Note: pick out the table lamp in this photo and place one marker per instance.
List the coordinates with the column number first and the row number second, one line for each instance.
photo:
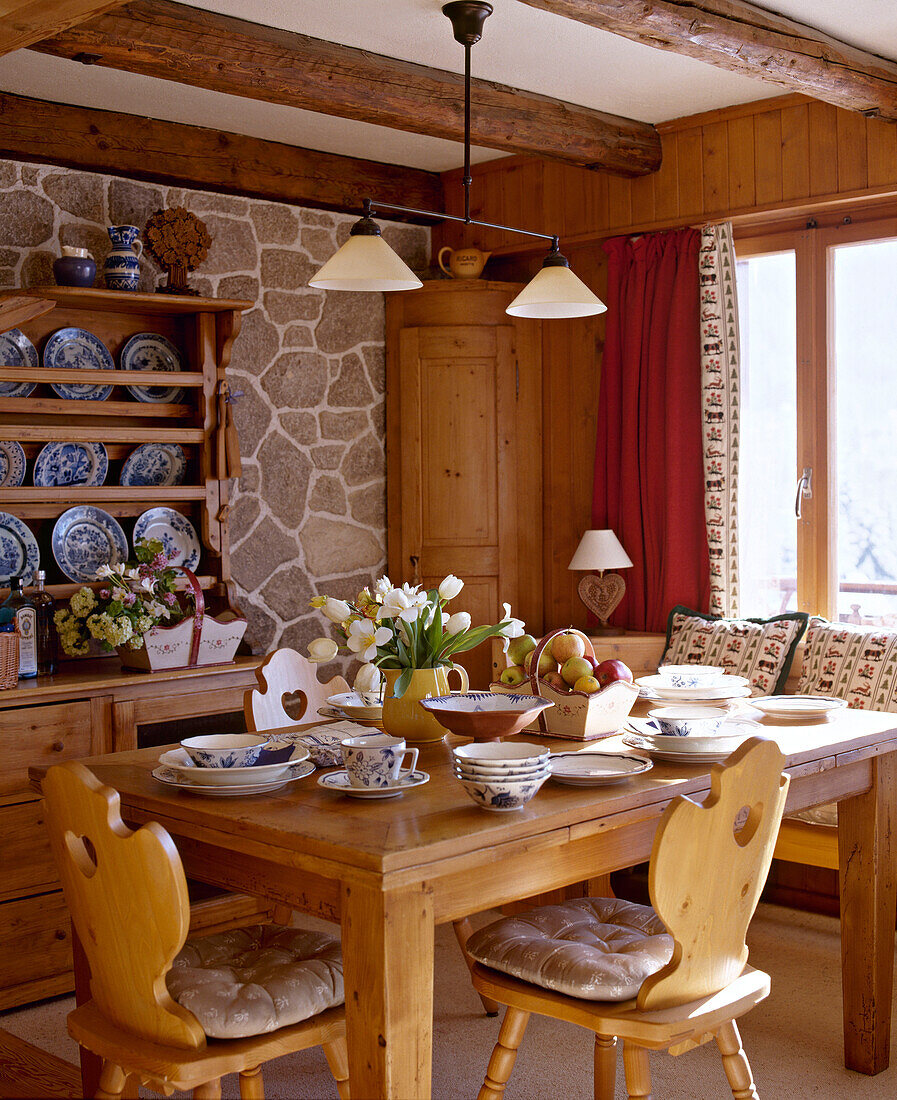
column 598, row 551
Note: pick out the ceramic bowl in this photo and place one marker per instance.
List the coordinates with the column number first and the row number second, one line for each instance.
column 688, row 721
column 232, row 750
column 501, row 756
column 227, row 777
column 358, row 704
column 501, row 795
column 483, row 715
column 691, row 676
column 477, row 771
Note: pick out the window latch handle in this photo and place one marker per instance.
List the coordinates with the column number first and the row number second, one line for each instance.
column 804, row 488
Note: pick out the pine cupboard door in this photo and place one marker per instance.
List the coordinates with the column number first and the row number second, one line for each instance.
column 459, row 445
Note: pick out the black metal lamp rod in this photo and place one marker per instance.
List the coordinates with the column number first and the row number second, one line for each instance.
column 370, row 204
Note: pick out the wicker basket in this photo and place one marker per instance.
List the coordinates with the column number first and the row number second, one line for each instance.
column 9, row 659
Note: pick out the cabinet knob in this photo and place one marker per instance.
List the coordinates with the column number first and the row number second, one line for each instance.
column 60, row 935
column 58, row 746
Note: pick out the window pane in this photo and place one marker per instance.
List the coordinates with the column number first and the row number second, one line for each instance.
column 767, row 529
column 865, row 332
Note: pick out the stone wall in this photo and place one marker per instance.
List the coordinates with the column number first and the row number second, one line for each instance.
column 309, row 512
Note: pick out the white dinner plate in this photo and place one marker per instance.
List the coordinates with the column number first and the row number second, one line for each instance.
column 339, row 782
column 179, row 760
column 643, row 744
column 172, row 778
column 176, row 533
column 594, row 769
column 729, row 687
column 729, row 736
column 797, row 708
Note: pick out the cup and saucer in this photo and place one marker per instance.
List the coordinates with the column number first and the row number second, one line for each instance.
column 373, row 768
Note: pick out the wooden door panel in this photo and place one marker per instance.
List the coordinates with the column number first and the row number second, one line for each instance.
column 479, row 596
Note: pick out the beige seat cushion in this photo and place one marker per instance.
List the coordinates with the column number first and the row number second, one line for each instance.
column 600, row 949
column 251, row 980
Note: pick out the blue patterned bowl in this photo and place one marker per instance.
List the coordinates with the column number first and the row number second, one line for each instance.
column 688, row 721
column 232, row 750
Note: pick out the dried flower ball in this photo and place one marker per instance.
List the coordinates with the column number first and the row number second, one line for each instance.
column 175, row 237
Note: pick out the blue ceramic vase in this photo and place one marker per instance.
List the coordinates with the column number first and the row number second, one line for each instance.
column 122, row 268
column 75, row 267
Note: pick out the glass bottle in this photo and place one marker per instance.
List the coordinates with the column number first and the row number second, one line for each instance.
column 46, row 629
column 26, row 623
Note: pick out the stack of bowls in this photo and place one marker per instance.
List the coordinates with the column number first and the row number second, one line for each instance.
column 501, row 777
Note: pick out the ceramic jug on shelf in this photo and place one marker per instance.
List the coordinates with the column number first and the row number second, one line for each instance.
column 404, row 717
column 122, row 268
column 464, row 263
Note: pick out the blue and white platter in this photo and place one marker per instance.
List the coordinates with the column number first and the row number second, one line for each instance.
column 176, row 533
column 12, row 464
column 85, row 538
column 155, row 464
column 16, row 350
column 71, row 464
column 78, row 349
column 150, row 351
column 19, row 553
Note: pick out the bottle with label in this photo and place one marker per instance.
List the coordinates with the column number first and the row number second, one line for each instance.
column 26, row 623
column 46, row 629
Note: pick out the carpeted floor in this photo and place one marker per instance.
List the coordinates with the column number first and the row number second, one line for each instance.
column 793, row 1039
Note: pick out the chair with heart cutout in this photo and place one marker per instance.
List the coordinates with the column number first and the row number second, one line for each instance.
column 286, row 678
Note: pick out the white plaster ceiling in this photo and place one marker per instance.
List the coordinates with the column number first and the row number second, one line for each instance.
column 521, row 46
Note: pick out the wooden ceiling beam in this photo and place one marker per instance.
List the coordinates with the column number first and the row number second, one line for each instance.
column 209, row 160
column 191, row 46
column 25, row 21
column 738, row 36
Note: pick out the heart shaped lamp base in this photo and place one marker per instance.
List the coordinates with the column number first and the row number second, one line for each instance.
column 601, row 593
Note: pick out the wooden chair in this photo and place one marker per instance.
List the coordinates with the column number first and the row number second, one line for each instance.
column 127, row 895
column 283, row 673
column 708, row 865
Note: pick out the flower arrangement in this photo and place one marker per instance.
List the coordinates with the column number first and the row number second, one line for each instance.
column 135, row 598
column 179, row 242
column 402, row 627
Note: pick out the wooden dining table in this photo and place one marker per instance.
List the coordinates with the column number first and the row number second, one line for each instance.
column 390, row 870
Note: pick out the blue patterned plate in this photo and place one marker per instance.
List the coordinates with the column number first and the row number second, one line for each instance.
column 150, row 351
column 176, row 533
column 16, row 350
column 85, row 538
column 71, row 464
column 75, row 348
column 19, row 553
column 12, row 463
column 154, row 464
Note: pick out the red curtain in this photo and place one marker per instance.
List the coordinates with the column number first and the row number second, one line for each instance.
column 649, row 479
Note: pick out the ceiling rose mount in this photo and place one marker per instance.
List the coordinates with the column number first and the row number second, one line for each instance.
column 467, row 18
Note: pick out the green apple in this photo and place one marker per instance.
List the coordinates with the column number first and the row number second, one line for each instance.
column 518, row 648
column 588, row 684
column 574, row 668
column 567, row 645
column 546, row 662
column 513, row 676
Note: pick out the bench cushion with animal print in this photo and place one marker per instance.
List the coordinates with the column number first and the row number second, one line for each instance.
column 760, row 649
column 856, row 664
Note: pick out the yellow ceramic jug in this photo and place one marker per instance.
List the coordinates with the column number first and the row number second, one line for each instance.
column 404, row 717
column 464, row 263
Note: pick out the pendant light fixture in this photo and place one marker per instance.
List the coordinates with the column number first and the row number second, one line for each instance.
column 367, row 263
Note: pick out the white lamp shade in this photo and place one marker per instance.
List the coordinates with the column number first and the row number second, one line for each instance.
column 555, row 292
column 599, row 550
column 365, row 263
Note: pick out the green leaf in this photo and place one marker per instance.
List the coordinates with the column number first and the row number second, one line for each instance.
column 402, row 683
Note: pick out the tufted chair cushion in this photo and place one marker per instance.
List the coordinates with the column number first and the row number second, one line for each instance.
column 251, row 980
column 600, row 949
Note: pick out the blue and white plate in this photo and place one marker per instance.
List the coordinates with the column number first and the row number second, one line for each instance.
column 85, row 538
column 16, row 350
column 77, row 349
column 155, row 464
column 71, row 464
column 12, row 463
column 19, row 553
column 150, row 351
column 176, row 533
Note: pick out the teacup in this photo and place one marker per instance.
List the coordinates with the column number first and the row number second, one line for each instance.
column 376, row 761
column 688, row 721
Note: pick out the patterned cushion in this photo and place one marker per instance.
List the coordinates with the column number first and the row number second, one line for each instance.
column 251, row 980
column 760, row 649
column 856, row 664
column 600, row 949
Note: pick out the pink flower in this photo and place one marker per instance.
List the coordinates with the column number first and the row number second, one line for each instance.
column 129, row 599
column 159, row 561
column 170, row 598
column 105, row 593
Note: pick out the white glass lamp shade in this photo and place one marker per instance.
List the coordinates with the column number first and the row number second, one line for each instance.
column 365, row 262
column 555, row 292
column 599, row 550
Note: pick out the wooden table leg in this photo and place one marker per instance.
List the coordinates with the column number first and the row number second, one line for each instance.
column 388, row 963
column 867, row 854
column 91, row 1064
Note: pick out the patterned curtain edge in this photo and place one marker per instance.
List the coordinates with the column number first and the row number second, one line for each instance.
column 720, row 377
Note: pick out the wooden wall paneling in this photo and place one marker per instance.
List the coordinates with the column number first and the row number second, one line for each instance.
column 715, row 137
column 666, row 180
column 823, row 120
column 642, row 198
column 881, row 152
column 852, row 154
column 619, row 201
column 559, row 208
column 740, row 140
column 690, row 152
column 529, row 495
column 767, row 136
column 795, row 151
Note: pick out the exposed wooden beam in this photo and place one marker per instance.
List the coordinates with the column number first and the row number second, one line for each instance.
column 746, row 39
column 191, row 46
column 25, row 21
column 193, row 156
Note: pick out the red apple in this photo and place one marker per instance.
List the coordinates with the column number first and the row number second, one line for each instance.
column 555, row 680
column 610, row 671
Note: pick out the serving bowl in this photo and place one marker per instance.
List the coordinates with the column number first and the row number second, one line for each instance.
column 691, row 676
column 228, row 750
column 688, row 721
column 180, row 762
column 502, row 795
column 483, row 715
column 366, row 705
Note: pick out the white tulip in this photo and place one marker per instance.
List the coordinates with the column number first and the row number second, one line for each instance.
column 399, row 604
column 368, row 678
column 515, row 627
column 458, row 622
column 450, row 587
column 364, row 637
column 322, row 649
column 104, row 570
column 337, row 611
column 382, row 586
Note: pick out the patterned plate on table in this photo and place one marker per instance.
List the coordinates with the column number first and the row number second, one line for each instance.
column 154, row 464
column 12, row 464
column 16, row 350
column 85, row 538
column 19, row 553
column 77, row 349
column 71, row 464
column 176, row 533
column 150, row 351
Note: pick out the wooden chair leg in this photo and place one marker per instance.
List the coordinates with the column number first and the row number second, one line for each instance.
column 504, row 1055
column 252, row 1087
column 337, row 1056
column 211, row 1090
column 282, row 914
column 638, row 1072
column 605, row 1067
column 112, row 1081
column 131, row 1091
column 735, row 1062
column 463, row 932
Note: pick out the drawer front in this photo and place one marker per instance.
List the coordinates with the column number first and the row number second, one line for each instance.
column 36, row 938
column 28, row 865
column 33, row 736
